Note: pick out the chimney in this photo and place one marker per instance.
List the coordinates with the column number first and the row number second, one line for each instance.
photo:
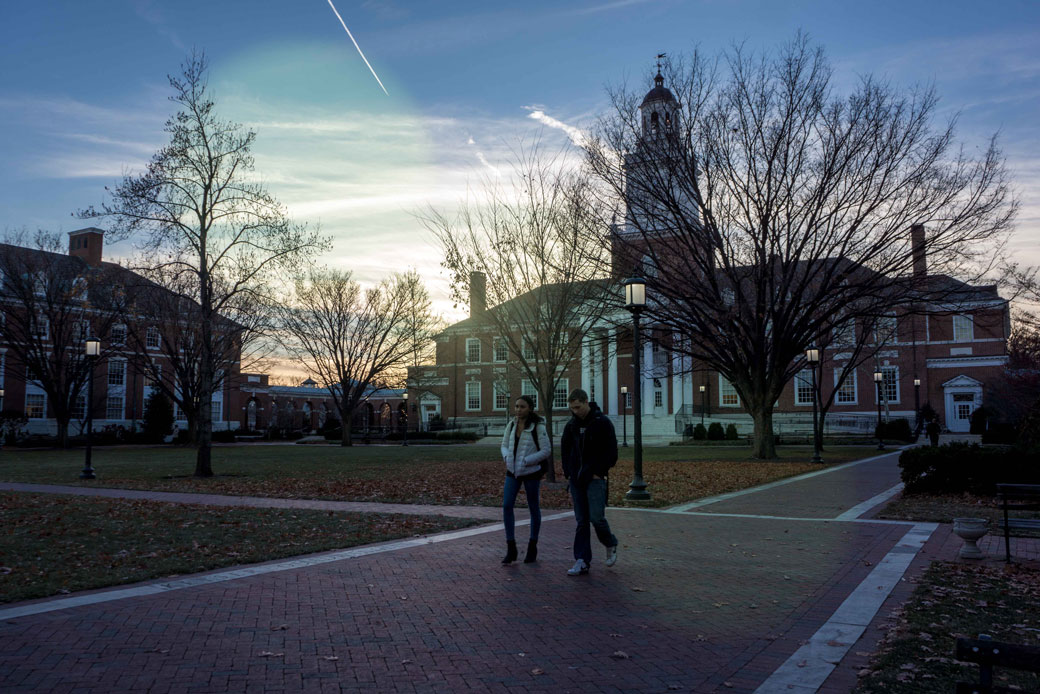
column 477, row 294
column 87, row 244
column 917, row 249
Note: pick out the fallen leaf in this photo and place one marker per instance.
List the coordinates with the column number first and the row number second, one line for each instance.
column 330, row 657
column 280, row 627
column 537, row 671
column 639, row 590
column 620, row 655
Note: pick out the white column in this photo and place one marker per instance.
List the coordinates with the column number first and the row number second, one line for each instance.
column 612, row 376
column 678, row 391
column 586, row 360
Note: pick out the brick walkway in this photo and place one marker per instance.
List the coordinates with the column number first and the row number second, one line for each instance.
column 699, row 602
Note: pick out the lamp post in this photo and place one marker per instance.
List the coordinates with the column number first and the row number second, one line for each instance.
column 917, row 408
column 91, row 348
column 624, row 415
column 404, row 396
column 812, row 356
column 635, row 301
column 879, row 377
column 1, row 428
column 704, row 402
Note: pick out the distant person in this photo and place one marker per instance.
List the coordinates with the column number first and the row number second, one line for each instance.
column 933, row 431
column 525, row 449
column 589, row 450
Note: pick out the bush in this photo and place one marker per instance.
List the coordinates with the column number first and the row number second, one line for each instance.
column 979, row 420
column 334, row 433
column 895, row 430
column 12, row 426
column 1000, row 432
column 700, row 433
column 716, row 432
column 224, row 436
column 158, row 418
column 457, row 436
column 960, row 467
column 731, row 432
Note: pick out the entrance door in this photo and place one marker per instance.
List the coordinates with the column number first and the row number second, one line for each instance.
column 959, row 407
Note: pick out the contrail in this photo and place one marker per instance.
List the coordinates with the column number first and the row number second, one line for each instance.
column 358, row 48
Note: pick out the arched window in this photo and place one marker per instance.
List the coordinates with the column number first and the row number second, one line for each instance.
column 653, row 120
column 251, row 415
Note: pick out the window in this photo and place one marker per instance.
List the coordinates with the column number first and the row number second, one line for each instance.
column 472, row 395
column 885, row 330
column 30, row 374
column 79, row 407
column 527, row 388
column 592, row 387
column 216, row 409
column 152, row 376
column 628, row 400
column 114, row 407
column 890, row 383
column 658, row 398
column 501, row 349
column 528, row 349
column 116, row 372
column 179, row 415
column 40, row 327
column 803, row 390
column 117, row 336
column 727, row 393
column 501, row 396
column 81, row 331
column 35, row 405
column 560, row 394
column 151, row 338
column 846, row 390
column 472, row 350
column 845, row 333
column 963, row 329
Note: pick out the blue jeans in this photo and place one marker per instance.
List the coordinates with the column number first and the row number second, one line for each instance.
column 590, row 504
column 512, row 488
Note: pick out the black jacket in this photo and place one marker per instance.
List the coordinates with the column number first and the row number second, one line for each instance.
column 588, row 447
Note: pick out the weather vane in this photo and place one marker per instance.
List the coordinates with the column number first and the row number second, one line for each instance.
column 659, row 57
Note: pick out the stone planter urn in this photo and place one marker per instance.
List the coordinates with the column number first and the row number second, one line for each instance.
column 970, row 530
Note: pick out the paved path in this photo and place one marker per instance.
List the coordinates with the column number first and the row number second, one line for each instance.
column 763, row 591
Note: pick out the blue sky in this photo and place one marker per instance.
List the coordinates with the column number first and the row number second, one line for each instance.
column 83, row 93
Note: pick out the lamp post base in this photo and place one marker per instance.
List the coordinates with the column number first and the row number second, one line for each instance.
column 817, row 458
column 87, row 474
column 637, row 490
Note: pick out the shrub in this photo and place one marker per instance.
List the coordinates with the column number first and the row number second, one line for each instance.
column 731, row 432
column 960, row 467
column 895, row 430
column 334, row 433
column 979, row 419
column 1000, row 432
column 457, row 436
column 224, row 436
column 716, row 432
column 158, row 418
column 700, row 433
column 12, row 426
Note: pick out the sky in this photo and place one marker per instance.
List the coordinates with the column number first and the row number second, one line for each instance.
column 84, row 94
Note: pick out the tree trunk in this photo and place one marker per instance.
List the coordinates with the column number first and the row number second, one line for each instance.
column 763, row 444
column 62, row 423
column 347, row 428
column 551, row 472
column 203, row 461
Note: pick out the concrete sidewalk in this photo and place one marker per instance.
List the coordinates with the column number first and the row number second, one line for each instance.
column 722, row 596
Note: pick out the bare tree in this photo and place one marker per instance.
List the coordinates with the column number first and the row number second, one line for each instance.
column 355, row 340
column 537, row 244
column 769, row 210
column 213, row 236
column 52, row 303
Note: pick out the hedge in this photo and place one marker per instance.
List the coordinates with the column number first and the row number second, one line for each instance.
column 960, row 467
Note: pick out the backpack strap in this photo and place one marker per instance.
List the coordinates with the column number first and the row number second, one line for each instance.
column 534, row 435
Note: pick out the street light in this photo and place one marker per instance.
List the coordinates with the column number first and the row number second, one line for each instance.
column 91, row 348
column 624, row 415
column 812, row 356
column 917, row 408
column 704, row 402
column 879, row 377
column 635, row 301
column 404, row 396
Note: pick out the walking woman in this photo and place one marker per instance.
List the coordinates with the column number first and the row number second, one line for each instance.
column 525, row 446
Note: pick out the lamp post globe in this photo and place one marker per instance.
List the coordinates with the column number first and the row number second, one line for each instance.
column 879, row 378
column 635, row 301
column 91, row 350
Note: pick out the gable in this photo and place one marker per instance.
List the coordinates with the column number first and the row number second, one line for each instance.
column 962, row 381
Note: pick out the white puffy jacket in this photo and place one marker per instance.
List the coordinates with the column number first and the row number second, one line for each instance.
column 528, row 458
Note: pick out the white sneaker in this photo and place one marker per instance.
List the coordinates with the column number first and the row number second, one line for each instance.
column 611, row 556
column 579, row 568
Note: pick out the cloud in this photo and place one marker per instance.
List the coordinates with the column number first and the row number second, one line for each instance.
column 606, row 7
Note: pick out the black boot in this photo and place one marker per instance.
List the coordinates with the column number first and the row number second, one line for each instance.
column 510, row 552
column 532, row 552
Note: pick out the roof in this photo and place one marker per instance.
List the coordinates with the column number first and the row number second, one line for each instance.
column 658, row 93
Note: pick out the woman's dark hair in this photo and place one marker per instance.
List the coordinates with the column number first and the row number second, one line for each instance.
column 533, row 416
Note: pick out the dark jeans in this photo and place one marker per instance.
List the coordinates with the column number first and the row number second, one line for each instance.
column 512, row 488
column 590, row 504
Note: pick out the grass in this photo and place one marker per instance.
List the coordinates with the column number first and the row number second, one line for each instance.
column 57, row 544
column 953, row 600
column 943, row 508
column 445, row 475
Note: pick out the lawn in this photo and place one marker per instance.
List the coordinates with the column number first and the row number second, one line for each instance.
column 54, row 543
column 943, row 508
column 952, row 600
column 444, row 475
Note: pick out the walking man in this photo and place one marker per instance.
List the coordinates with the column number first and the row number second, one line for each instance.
column 589, row 450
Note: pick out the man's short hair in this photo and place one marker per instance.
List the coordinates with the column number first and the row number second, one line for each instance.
column 578, row 395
